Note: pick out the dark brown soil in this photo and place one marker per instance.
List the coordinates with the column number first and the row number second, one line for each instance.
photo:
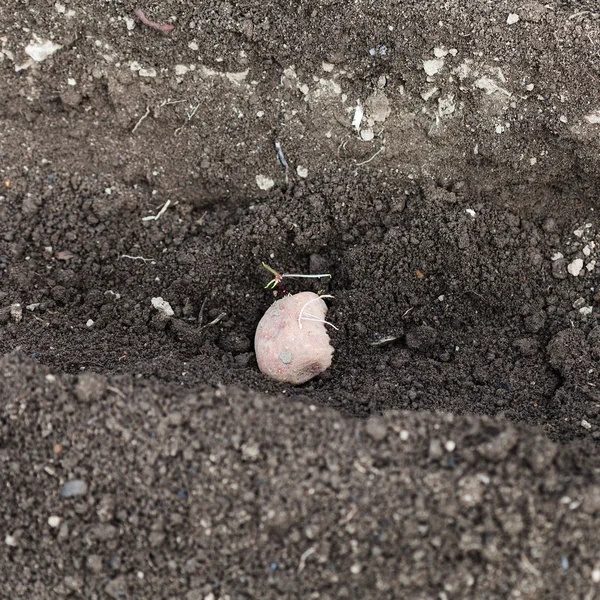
column 465, row 232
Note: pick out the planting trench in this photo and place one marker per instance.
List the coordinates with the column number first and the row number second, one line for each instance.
column 445, row 175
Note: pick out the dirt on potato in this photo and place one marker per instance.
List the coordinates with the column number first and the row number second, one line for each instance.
column 439, row 160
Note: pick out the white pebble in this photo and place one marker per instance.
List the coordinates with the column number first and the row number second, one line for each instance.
column 557, row 256
column 367, row 135
column 586, row 310
column 404, row 435
column 71, row 82
column 147, row 72
column 586, row 251
column 181, row 69
column 596, row 575
column 16, row 312
column 470, row 212
column 129, row 23
column 512, row 19
column 578, row 232
column 586, row 425
column 450, row 446
column 40, row 50
column 89, row 323
column 327, row 67
column 264, row 183
column 433, row 67
column 591, row 265
column 302, row 172
column 163, row 306
column 10, row 540
column 54, row 521
column 193, row 46
column 575, row 267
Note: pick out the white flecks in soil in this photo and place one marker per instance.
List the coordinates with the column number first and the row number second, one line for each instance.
column 162, row 306
column 512, row 19
column 54, row 521
column 264, row 183
column 358, row 116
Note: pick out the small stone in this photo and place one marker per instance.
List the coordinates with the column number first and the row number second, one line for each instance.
column 264, row 183
column 378, row 107
column 557, row 256
column 586, row 310
column 40, row 50
column 586, row 424
column 54, row 521
column 250, row 452
column 89, row 323
column 327, row 67
column 512, row 19
column 575, row 267
column 302, row 172
column 433, row 67
column 596, row 575
column 16, row 312
column 450, row 446
column 162, row 306
column 76, row 487
column 376, row 429
column 147, row 72
column 367, row 135
column 181, row 69
column 11, row 541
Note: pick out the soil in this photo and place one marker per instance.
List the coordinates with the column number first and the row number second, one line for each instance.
column 439, row 160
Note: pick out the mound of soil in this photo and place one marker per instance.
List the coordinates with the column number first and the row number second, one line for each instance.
column 440, row 161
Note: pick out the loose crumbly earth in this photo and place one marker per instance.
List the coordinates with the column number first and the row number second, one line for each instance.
column 442, row 164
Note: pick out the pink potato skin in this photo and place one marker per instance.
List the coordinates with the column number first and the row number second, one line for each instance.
column 287, row 352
